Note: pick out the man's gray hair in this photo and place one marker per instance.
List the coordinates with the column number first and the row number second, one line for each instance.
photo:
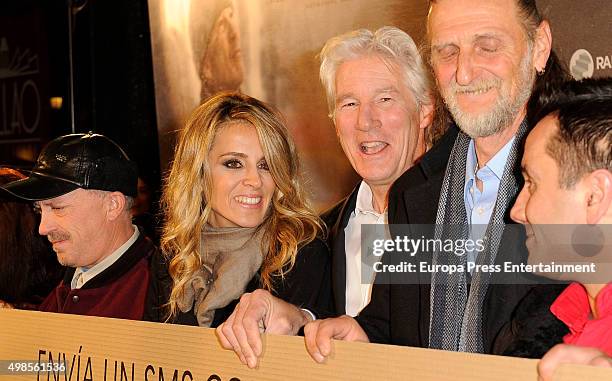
column 389, row 43
column 129, row 201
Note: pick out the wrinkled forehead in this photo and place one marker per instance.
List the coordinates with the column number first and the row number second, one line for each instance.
column 470, row 16
column 373, row 72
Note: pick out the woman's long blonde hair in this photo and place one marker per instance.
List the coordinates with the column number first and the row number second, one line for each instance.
column 290, row 223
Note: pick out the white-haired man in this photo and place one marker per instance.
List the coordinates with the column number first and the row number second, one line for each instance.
column 379, row 97
column 486, row 57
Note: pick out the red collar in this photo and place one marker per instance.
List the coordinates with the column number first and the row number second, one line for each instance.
column 572, row 306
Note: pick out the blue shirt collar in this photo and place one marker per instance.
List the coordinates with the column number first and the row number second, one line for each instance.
column 496, row 164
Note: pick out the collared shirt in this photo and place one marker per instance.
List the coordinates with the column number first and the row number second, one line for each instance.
column 479, row 205
column 82, row 274
column 358, row 293
column 572, row 308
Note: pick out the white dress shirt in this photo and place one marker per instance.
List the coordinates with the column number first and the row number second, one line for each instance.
column 358, row 292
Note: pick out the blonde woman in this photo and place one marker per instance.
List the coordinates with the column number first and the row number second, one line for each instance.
column 236, row 218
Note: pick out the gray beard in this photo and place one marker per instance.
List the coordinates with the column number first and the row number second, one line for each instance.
column 503, row 112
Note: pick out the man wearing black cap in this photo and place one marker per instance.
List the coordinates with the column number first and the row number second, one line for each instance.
column 83, row 185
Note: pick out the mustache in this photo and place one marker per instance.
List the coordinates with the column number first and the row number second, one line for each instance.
column 57, row 236
column 481, row 85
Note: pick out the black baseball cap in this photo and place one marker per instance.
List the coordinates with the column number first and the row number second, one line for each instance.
column 88, row 161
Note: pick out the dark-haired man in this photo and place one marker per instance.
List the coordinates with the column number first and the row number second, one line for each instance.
column 567, row 201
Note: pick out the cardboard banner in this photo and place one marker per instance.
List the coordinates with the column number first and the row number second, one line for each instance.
column 78, row 348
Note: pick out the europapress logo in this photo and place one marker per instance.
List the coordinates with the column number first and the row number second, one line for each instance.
column 582, row 64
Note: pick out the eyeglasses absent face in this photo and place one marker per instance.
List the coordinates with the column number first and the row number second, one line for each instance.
column 242, row 184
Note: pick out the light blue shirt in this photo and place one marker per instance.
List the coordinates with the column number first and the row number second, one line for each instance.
column 479, row 205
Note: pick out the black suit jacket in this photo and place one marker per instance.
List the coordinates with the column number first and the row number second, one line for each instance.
column 399, row 313
column 336, row 219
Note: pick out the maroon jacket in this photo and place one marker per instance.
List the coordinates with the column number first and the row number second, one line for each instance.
column 119, row 291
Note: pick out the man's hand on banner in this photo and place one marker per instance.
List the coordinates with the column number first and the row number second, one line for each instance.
column 319, row 333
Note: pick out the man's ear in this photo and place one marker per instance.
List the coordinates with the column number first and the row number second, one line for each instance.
column 426, row 115
column 542, row 46
column 115, row 205
column 599, row 202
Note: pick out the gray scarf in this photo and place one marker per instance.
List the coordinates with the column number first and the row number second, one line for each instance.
column 230, row 259
column 456, row 314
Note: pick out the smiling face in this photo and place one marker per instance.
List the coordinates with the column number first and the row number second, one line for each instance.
column 549, row 212
column 542, row 199
column 482, row 61
column 75, row 223
column 376, row 119
column 242, row 186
